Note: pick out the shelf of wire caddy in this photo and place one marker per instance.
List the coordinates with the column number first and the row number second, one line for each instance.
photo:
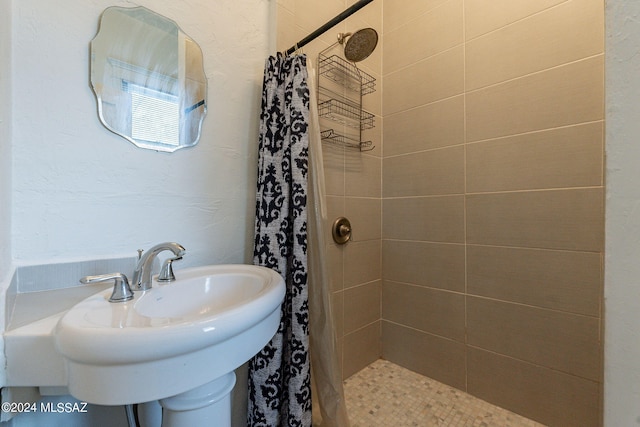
column 346, row 74
column 330, row 136
column 346, row 114
column 343, row 109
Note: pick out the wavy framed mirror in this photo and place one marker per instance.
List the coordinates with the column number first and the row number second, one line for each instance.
column 148, row 78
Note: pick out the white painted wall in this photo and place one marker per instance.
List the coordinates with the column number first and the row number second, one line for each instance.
column 71, row 190
column 622, row 252
column 5, row 139
column 81, row 192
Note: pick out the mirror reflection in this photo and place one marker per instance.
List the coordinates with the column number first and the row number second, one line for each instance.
column 149, row 80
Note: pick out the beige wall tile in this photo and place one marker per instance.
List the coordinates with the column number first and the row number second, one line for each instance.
column 513, row 94
column 429, row 310
column 333, row 159
column 362, row 175
column 372, row 102
column 311, row 14
column 557, row 340
column 370, row 15
column 375, row 136
column 365, row 217
column 545, row 395
column 287, row 4
column 562, row 34
column 436, row 265
column 337, row 310
column 558, row 158
column 361, row 348
column 335, row 265
column 335, row 208
column 396, row 13
column 482, row 16
column 435, row 218
column 437, row 77
column 362, row 305
column 553, row 219
column 362, row 262
column 425, row 173
column 313, row 48
column 561, row 96
column 285, row 31
column 438, row 358
column 560, row 280
column 303, row 29
column 435, row 31
column 435, row 125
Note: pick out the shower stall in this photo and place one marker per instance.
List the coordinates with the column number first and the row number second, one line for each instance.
column 478, row 216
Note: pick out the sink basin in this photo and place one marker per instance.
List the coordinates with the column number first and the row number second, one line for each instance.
column 170, row 339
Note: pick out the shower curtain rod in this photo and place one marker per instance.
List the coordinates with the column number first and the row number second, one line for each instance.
column 335, row 21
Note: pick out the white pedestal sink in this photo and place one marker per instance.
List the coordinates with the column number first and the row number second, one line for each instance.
column 178, row 343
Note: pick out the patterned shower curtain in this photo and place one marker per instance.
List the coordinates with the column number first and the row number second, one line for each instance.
column 279, row 376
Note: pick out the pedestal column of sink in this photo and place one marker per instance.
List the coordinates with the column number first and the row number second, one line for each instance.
column 209, row 404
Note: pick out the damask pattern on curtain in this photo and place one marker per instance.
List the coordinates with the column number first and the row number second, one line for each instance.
column 279, row 375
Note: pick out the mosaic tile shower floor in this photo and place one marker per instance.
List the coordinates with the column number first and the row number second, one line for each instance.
column 387, row 395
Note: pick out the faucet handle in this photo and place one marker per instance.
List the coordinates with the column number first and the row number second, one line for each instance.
column 166, row 272
column 121, row 289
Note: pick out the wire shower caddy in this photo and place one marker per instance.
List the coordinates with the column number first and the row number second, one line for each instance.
column 345, row 107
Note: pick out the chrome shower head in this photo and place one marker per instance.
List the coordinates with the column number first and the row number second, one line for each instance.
column 359, row 45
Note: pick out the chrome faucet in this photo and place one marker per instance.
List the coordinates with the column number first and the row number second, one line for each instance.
column 121, row 290
column 142, row 274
